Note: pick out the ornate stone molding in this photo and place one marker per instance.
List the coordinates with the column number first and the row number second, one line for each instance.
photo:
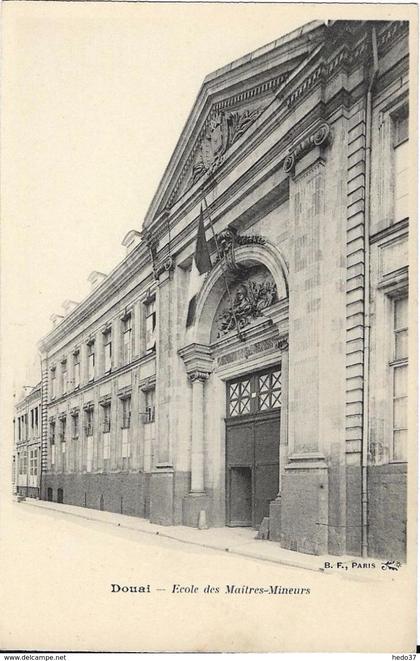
column 197, row 359
column 228, row 241
column 198, row 376
column 249, row 299
column 159, row 266
column 284, row 344
column 318, row 137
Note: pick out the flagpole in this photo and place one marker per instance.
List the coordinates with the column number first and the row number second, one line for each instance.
column 220, row 256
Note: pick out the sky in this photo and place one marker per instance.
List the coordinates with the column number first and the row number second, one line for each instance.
column 95, row 96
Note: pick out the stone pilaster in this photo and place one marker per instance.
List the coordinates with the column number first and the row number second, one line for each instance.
column 198, row 364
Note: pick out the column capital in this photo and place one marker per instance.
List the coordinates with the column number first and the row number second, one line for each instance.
column 197, row 359
column 198, row 375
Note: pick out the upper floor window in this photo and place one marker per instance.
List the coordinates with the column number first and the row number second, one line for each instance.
column 63, row 427
column 126, row 412
column 53, row 382
column 52, row 442
column 75, row 424
column 126, row 333
column 106, row 417
column 400, row 380
column 64, row 377
column 89, row 422
column 150, row 405
column 76, row 368
column 107, row 350
column 91, row 360
column 401, row 165
column 151, row 326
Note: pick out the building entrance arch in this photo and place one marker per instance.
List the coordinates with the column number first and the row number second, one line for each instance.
column 232, row 482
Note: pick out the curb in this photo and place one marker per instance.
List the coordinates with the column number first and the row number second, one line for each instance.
column 208, row 545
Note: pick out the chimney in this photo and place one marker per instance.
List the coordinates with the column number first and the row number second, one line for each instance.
column 131, row 240
column 95, row 278
column 68, row 306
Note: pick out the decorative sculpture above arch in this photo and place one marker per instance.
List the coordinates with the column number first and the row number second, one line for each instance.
column 247, row 256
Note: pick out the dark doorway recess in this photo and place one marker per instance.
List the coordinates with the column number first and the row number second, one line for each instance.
column 252, row 446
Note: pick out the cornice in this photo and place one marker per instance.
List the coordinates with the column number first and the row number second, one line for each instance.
column 285, row 50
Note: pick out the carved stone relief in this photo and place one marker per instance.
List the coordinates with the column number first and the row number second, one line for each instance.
column 222, row 130
column 249, row 299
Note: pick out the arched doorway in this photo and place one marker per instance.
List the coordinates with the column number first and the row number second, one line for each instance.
column 235, row 358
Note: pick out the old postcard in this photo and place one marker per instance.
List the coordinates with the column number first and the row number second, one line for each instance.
column 209, row 323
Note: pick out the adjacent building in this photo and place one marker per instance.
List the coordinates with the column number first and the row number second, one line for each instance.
column 283, row 397
column 26, row 459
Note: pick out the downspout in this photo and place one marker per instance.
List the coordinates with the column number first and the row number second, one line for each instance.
column 40, row 431
column 366, row 297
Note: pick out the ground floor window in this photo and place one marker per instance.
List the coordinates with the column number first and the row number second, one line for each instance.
column 399, row 366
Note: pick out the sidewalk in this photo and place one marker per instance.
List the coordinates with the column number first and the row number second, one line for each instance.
column 239, row 541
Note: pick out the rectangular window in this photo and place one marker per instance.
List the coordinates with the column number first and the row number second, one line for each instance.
column 36, row 421
column 106, row 436
column 89, row 462
column 151, row 326
column 75, row 424
column 32, row 420
column 150, row 405
column 53, row 382
column 106, row 418
column 52, row 442
column 126, row 412
column 107, row 350
column 126, row 333
column 400, row 386
column 76, row 368
column 401, row 328
column 64, row 377
column 91, row 360
column 63, row 426
column 89, row 422
column 33, row 462
column 401, row 165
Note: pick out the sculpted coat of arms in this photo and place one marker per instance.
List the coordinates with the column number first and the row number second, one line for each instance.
column 222, row 129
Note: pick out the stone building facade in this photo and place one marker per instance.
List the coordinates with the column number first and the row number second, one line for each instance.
column 26, row 459
column 285, row 399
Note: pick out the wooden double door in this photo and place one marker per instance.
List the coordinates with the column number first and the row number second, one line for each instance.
column 252, row 446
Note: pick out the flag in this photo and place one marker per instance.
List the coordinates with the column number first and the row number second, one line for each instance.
column 201, row 265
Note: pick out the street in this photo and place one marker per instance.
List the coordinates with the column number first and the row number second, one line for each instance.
column 71, row 584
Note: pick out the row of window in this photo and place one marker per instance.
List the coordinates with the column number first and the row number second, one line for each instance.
column 105, row 428
column 23, row 462
column 105, row 350
column 23, row 428
column 105, row 422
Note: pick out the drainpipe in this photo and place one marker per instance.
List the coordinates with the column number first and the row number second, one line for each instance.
column 366, row 301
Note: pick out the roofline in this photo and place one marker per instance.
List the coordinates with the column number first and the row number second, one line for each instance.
column 130, row 261
column 251, row 59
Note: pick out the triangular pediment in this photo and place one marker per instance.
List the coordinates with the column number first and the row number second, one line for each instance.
column 229, row 103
